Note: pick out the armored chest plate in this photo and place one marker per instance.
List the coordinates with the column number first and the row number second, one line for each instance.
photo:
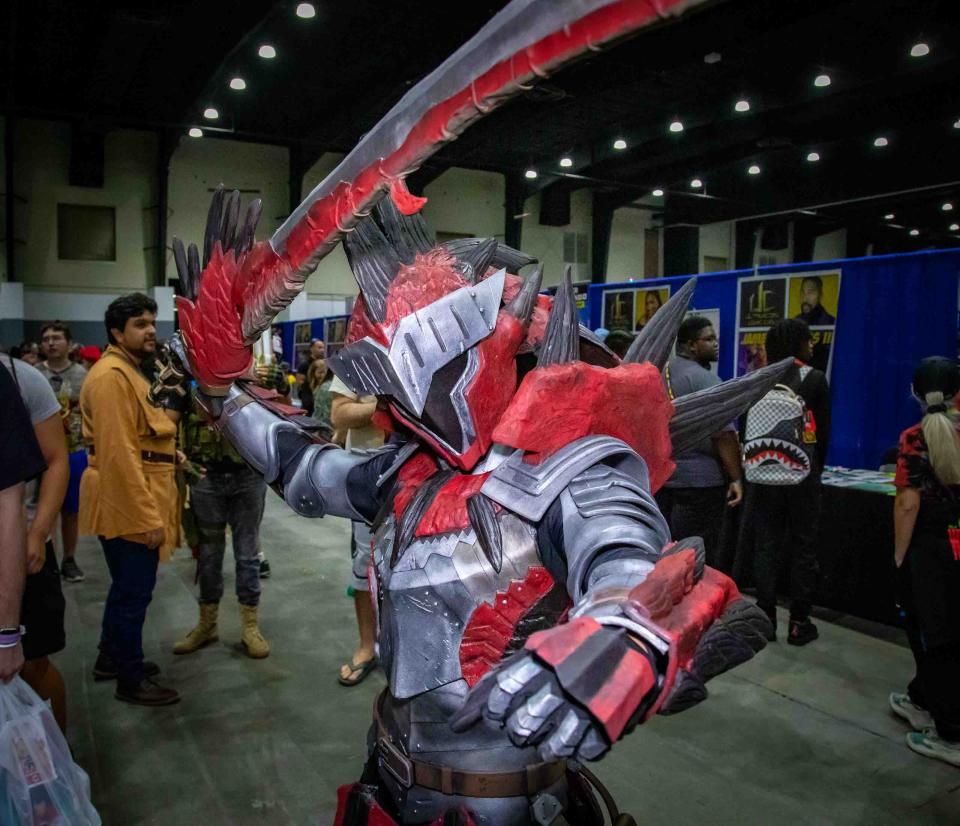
column 429, row 598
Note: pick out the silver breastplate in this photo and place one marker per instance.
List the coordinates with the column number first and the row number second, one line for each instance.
column 427, row 601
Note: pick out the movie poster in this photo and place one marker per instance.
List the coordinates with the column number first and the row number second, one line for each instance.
column 618, row 310
column 646, row 303
column 764, row 300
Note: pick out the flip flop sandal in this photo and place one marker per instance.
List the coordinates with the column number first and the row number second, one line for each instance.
column 364, row 668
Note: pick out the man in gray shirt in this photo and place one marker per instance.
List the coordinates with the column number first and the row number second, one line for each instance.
column 66, row 378
column 708, row 477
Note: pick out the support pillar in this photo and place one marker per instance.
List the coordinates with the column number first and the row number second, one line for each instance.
column 514, row 199
column 600, row 238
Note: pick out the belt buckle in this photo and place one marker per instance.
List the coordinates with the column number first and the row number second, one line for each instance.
column 395, row 762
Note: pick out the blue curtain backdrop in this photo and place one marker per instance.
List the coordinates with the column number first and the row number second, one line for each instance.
column 893, row 311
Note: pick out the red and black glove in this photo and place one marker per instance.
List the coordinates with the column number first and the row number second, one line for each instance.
column 577, row 688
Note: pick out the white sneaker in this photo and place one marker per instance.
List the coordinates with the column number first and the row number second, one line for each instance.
column 929, row 744
column 918, row 718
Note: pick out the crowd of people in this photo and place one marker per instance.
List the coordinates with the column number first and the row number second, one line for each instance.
column 82, row 442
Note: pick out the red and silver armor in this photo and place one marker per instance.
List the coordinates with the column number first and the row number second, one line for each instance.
column 532, row 606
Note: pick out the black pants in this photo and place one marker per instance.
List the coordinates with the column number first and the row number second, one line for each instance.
column 785, row 522
column 929, row 581
column 695, row 512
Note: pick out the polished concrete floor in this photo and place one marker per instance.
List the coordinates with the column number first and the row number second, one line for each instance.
column 797, row 736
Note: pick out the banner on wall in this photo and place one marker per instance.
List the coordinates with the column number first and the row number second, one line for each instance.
column 762, row 301
column 630, row 310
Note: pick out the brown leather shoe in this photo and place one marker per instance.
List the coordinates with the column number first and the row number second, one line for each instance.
column 147, row 693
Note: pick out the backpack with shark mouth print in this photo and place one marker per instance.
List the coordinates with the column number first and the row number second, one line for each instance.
column 780, row 439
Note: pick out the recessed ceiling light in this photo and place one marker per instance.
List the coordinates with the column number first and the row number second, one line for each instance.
column 954, row 227
column 306, row 11
column 889, row 216
column 531, row 174
column 696, row 183
column 919, row 50
column 813, row 157
column 946, row 206
column 742, row 106
column 753, row 169
column 657, row 193
column 210, row 113
column 566, row 163
column 821, row 81
column 267, row 51
column 914, row 232
column 619, row 143
column 238, row 83
column 195, row 132
column 881, row 142
column 676, row 126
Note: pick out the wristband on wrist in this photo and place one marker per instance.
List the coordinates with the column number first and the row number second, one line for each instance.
column 10, row 637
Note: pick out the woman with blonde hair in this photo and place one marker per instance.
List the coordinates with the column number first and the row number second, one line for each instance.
column 318, row 380
column 927, row 553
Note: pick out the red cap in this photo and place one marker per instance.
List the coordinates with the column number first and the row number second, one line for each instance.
column 90, row 353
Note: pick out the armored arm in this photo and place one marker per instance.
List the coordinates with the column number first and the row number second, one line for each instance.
column 649, row 623
column 313, row 477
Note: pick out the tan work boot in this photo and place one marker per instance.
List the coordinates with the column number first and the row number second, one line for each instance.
column 203, row 634
column 253, row 641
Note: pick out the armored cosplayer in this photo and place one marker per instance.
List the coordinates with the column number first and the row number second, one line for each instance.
column 532, row 606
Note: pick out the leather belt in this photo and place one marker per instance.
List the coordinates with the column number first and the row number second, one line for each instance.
column 408, row 772
column 146, row 455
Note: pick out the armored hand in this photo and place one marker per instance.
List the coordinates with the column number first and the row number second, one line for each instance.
column 577, row 688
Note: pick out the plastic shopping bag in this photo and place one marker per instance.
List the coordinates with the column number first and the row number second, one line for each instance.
column 40, row 785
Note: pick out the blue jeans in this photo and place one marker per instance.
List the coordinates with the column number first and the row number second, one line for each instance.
column 133, row 571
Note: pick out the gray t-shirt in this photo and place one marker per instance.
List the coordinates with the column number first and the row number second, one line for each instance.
column 38, row 396
column 700, row 466
column 66, row 385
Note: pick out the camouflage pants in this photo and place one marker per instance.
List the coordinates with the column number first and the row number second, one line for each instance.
column 234, row 499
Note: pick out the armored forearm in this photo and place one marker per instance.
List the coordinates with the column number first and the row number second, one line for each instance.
column 311, row 476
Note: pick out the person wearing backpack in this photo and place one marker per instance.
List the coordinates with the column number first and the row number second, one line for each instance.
column 927, row 554
column 785, row 447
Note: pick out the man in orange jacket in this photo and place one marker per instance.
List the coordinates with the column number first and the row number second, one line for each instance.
column 128, row 494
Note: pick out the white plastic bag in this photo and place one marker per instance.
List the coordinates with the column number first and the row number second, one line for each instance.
column 40, row 785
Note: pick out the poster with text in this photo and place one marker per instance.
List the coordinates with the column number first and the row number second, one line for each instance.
column 762, row 301
column 618, row 310
column 646, row 303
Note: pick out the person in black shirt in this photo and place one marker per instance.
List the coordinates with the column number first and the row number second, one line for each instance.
column 786, row 518
column 811, row 310
column 20, row 460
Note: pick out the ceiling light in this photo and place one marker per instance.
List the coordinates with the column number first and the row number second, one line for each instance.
column 696, row 183
column 238, row 83
column 954, row 227
column 947, row 206
column 813, row 157
column 210, row 113
column 676, row 126
column 919, row 50
column 531, row 174
column 914, row 232
column 753, row 169
column 889, row 216
column 195, row 132
column 657, row 193
column 306, row 11
column 821, row 81
column 881, row 142
column 956, row 124
column 619, row 143
column 267, row 51
column 742, row 106
column 566, row 163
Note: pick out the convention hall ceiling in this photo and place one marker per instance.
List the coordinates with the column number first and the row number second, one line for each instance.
column 759, row 131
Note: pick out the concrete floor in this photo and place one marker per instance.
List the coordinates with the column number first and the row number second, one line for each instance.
column 797, row 736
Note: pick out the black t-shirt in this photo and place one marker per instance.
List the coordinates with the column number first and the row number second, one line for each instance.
column 815, row 392
column 20, row 456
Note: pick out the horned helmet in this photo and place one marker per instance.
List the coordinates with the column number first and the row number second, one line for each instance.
column 442, row 333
